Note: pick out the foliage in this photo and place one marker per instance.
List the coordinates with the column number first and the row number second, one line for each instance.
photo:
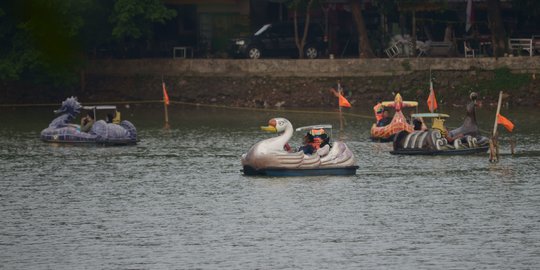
column 406, row 64
column 134, row 18
column 39, row 35
column 500, row 79
column 46, row 41
column 503, row 80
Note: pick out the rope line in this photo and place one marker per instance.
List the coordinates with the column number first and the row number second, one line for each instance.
column 193, row 104
column 202, row 105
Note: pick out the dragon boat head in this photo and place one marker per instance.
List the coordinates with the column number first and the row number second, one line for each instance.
column 70, row 106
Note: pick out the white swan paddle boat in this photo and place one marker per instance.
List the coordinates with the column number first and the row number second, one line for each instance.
column 269, row 157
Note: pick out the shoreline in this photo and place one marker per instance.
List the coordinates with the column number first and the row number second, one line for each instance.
column 262, row 84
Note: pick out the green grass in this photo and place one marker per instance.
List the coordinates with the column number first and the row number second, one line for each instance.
column 503, row 80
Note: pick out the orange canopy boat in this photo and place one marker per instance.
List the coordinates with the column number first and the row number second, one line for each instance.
column 398, row 123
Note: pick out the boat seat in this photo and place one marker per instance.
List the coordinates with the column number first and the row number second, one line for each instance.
column 438, row 123
column 323, row 151
column 117, row 118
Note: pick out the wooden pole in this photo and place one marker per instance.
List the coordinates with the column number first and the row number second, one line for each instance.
column 413, row 49
column 166, row 111
column 493, row 143
column 498, row 111
column 340, row 92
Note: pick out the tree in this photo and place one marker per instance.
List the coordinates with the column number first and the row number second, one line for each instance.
column 134, row 18
column 48, row 40
column 498, row 33
column 40, row 39
column 364, row 47
column 300, row 43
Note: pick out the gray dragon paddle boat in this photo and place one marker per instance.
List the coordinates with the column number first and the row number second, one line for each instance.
column 62, row 130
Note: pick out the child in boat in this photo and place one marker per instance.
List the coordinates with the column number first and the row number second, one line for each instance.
column 385, row 120
column 314, row 140
column 418, row 124
column 109, row 118
column 378, row 109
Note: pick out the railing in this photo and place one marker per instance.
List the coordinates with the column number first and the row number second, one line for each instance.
column 521, row 44
column 536, row 42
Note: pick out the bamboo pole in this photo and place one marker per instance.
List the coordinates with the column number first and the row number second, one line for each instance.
column 493, row 143
column 340, row 92
column 498, row 111
column 166, row 111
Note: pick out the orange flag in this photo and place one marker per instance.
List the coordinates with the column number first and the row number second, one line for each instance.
column 165, row 95
column 343, row 102
column 505, row 122
column 431, row 101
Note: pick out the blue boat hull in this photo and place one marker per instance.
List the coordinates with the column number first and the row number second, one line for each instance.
column 101, row 134
column 351, row 170
column 467, row 151
column 83, row 141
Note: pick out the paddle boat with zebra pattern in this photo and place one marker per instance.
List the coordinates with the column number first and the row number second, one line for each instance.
column 437, row 140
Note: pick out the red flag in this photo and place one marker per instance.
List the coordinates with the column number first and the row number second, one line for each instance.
column 432, row 100
column 505, row 122
column 165, row 96
column 343, row 102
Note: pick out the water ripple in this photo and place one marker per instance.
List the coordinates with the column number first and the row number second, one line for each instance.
column 177, row 200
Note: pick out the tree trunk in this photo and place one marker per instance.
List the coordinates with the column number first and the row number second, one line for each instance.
column 364, row 48
column 301, row 43
column 413, row 41
column 498, row 33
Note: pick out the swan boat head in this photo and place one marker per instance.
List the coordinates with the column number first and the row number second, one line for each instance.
column 278, row 125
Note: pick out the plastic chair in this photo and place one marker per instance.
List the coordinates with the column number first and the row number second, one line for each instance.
column 393, row 50
column 423, row 47
column 469, row 52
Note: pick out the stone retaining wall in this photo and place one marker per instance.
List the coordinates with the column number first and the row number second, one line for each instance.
column 305, row 68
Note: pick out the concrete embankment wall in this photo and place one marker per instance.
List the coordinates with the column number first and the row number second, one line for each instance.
column 306, row 68
column 291, row 82
column 305, row 83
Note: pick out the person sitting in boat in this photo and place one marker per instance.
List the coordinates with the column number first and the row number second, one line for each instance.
column 386, row 119
column 109, row 118
column 314, row 140
column 378, row 109
column 306, row 145
column 88, row 121
column 418, row 124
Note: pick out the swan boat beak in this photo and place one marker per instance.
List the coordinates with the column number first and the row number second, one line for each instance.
column 269, row 128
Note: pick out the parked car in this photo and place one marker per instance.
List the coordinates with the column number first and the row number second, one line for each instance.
column 277, row 39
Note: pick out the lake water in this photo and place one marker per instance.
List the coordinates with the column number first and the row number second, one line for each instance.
column 177, row 200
